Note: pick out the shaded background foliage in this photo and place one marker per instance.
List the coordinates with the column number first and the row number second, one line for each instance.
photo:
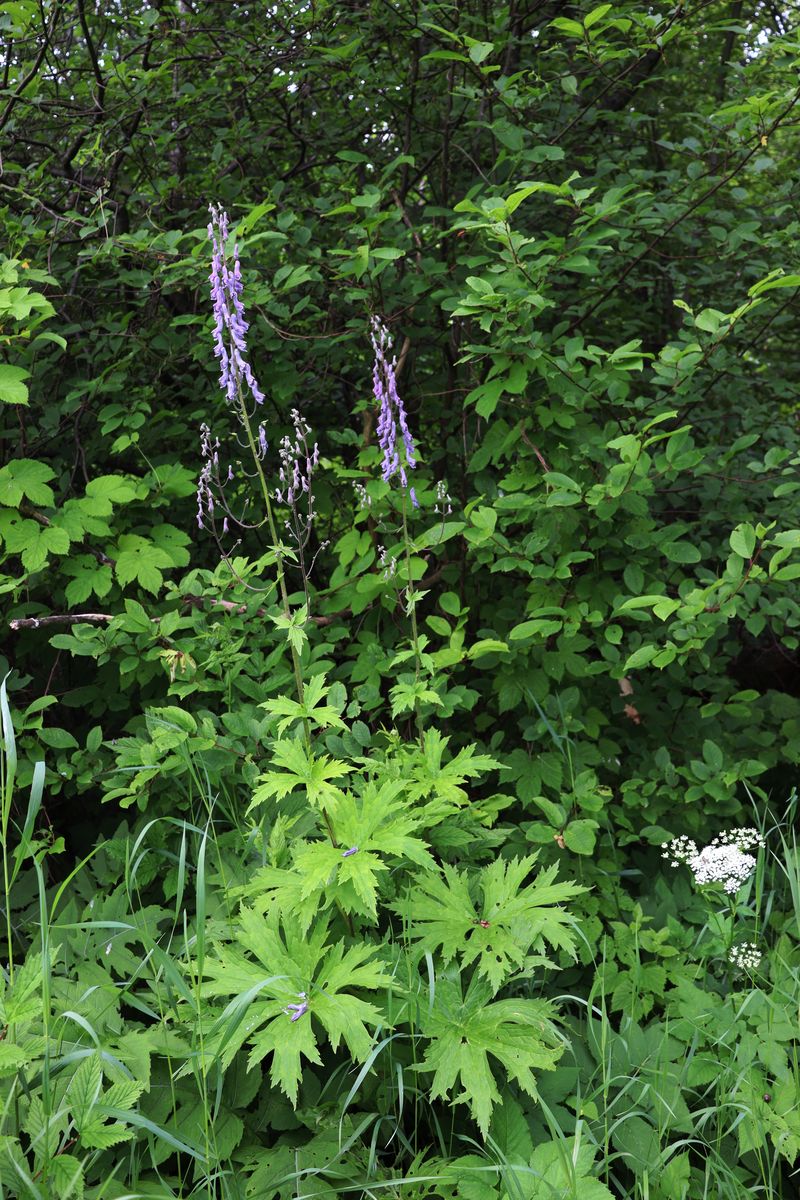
column 368, row 150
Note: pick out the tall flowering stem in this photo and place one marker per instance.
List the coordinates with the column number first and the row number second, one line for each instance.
column 236, row 375
column 245, row 396
column 399, row 458
column 727, row 862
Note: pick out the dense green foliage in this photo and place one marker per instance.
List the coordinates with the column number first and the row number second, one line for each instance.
column 377, row 905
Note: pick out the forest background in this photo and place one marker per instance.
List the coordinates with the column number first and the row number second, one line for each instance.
column 334, row 801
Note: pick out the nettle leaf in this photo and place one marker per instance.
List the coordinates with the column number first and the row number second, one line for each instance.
column 12, row 1059
column 84, row 1088
column 466, row 1030
column 301, row 769
column 97, row 1136
column 142, row 560
column 122, row 1095
column 28, row 478
column 65, row 1173
column 297, row 983
column 499, row 927
column 44, row 1130
column 22, row 1000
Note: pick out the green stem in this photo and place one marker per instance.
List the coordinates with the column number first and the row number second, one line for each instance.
column 412, row 612
column 281, row 575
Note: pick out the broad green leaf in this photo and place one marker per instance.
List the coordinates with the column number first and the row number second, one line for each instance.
column 538, row 627
column 581, row 836
column 596, row 15
column 141, row 560
column 681, row 552
column 743, row 540
column 26, row 477
column 478, row 51
column 12, row 389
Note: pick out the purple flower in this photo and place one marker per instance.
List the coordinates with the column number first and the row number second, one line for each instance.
column 349, row 853
column 297, row 1010
column 230, row 326
column 393, row 413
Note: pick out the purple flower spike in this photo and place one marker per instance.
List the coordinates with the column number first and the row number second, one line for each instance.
column 393, row 413
column 230, row 326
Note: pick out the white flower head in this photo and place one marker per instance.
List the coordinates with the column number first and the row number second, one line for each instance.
column 722, row 864
column 746, row 956
column 725, row 861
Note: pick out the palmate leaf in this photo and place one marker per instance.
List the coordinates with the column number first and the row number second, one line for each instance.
column 29, row 478
column 301, row 768
column 303, row 983
column 324, row 716
column 33, row 542
column 371, row 827
column 467, row 1031
column 349, row 878
column 142, row 560
column 432, row 780
column 500, row 925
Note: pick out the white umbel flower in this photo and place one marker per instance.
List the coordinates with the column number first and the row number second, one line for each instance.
column 725, row 861
column 722, row 864
column 746, row 956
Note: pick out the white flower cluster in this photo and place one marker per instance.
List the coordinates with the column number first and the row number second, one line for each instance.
column 723, row 864
column 724, row 861
column 389, row 564
column 746, row 956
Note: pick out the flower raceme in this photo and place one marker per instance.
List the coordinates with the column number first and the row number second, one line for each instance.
column 392, row 412
column 725, row 861
column 230, row 326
